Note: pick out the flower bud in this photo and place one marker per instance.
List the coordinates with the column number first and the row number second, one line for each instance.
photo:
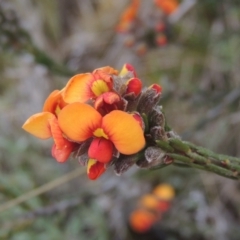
column 134, row 85
column 101, row 150
column 148, row 100
column 126, row 69
column 124, row 162
column 156, row 117
column 153, row 157
column 158, row 133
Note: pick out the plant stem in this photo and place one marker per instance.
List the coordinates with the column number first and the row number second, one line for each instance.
column 187, row 154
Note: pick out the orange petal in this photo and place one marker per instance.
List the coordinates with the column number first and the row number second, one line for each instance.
column 54, row 103
column 62, row 154
column 78, row 121
column 167, row 6
column 77, row 88
column 95, row 169
column 51, row 102
column 128, row 17
column 149, row 201
column 124, row 131
column 101, row 150
column 38, row 125
column 107, row 70
column 105, row 74
column 142, row 220
column 57, row 133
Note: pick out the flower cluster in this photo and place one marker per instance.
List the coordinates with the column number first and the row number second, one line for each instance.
column 151, row 207
column 103, row 118
column 146, row 31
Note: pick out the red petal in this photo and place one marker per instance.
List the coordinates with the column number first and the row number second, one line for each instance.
column 156, row 87
column 95, row 169
column 134, row 85
column 62, row 154
column 101, row 150
column 141, row 220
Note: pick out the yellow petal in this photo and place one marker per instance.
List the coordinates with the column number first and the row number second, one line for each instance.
column 164, row 192
column 78, row 88
column 95, row 169
column 78, row 121
column 124, row 131
column 38, row 125
column 99, row 87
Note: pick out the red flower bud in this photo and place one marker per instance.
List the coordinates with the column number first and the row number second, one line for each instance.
column 127, row 68
column 156, row 87
column 101, row 150
column 134, row 85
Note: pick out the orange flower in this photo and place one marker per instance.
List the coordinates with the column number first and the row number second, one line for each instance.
column 117, row 128
column 141, row 220
column 128, row 17
column 45, row 125
column 167, row 6
column 86, row 86
column 164, row 192
column 149, row 201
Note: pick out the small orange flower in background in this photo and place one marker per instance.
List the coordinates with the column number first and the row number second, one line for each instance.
column 98, row 115
column 128, row 17
column 167, row 6
column 151, row 207
column 142, row 32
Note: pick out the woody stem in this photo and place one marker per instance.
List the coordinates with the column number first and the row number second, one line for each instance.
column 183, row 153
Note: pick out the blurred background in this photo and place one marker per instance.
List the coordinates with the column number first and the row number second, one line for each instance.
column 195, row 56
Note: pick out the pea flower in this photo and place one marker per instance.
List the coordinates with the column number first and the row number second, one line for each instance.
column 150, row 208
column 103, row 119
column 86, row 86
column 45, row 125
column 107, row 133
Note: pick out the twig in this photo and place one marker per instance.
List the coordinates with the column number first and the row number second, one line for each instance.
column 42, row 189
column 183, row 8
